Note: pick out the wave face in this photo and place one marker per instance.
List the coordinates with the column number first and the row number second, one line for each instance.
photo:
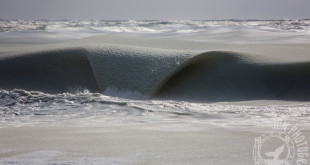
column 135, row 68
column 225, row 76
column 52, row 72
column 161, row 73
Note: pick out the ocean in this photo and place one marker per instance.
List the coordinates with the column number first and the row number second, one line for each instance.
column 149, row 91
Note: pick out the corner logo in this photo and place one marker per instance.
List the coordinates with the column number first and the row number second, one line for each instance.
column 284, row 145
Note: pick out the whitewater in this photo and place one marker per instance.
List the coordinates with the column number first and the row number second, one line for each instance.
column 149, row 92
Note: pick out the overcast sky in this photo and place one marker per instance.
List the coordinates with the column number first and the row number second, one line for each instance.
column 154, row 9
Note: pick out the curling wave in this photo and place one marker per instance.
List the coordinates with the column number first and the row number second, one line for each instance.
column 160, row 73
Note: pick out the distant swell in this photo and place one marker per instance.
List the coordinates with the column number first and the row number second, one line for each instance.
column 160, row 73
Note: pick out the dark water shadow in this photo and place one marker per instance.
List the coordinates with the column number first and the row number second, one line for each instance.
column 220, row 77
column 51, row 72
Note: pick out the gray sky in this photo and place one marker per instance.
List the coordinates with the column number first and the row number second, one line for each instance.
column 154, row 9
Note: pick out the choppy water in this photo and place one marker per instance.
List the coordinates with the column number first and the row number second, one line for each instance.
column 154, row 26
column 18, row 107
column 241, row 31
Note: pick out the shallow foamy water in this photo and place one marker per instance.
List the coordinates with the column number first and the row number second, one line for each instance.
column 20, row 107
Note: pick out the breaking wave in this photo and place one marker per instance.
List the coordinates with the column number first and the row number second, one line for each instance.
column 160, row 73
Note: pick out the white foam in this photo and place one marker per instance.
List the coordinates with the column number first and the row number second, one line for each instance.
column 114, row 106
